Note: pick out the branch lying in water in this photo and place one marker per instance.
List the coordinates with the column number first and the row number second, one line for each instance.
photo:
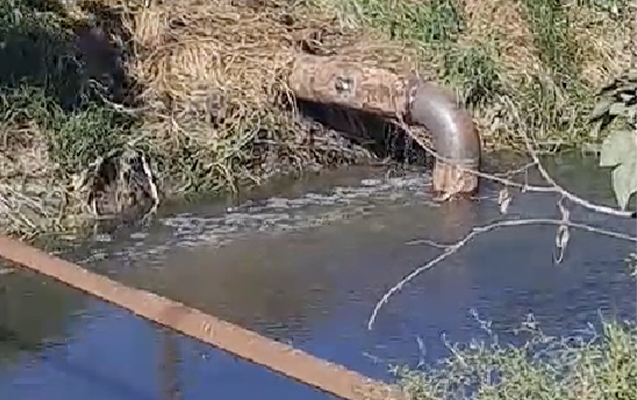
column 455, row 247
column 525, row 187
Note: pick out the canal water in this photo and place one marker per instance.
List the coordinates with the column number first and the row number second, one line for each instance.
column 305, row 263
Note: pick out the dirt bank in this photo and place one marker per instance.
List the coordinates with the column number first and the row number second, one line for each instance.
column 137, row 102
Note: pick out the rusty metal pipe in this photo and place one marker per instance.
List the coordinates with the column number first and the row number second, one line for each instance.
column 333, row 81
column 454, row 135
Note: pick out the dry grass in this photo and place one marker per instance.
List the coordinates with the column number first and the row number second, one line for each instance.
column 605, row 44
column 503, row 21
column 198, row 89
column 213, row 107
column 212, row 79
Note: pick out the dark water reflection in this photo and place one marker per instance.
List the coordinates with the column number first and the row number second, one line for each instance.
column 315, row 284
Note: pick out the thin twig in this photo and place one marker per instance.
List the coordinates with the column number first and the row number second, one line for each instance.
column 553, row 188
column 453, row 248
column 516, row 171
column 575, row 199
column 428, row 243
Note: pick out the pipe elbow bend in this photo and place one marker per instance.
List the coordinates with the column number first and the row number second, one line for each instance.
column 455, row 136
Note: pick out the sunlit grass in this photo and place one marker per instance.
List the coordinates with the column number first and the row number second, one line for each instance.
column 588, row 366
column 56, row 127
column 423, row 23
column 550, row 104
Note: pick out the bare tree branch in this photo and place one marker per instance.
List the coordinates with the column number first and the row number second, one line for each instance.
column 575, row 199
column 561, row 238
column 553, row 188
column 455, row 247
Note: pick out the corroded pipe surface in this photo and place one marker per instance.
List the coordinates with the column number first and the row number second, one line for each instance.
column 454, row 134
column 330, row 81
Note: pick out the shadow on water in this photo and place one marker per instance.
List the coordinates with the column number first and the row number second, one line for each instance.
column 35, row 314
column 307, row 267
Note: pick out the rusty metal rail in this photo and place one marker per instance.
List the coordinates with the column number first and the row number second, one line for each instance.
column 245, row 344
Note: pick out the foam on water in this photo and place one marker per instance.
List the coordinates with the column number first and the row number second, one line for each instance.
column 275, row 215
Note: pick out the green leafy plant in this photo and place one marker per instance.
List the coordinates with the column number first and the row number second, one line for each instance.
column 595, row 364
column 618, row 101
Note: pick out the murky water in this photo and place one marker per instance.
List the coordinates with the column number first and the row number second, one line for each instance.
column 306, row 267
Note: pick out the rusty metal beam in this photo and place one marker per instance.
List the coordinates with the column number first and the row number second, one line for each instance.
column 245, row 344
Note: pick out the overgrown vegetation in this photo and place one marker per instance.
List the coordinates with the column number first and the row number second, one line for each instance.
column 589, row 366
column 427, row 24
column 104, row 102
column 519, row 61
column 52, row 125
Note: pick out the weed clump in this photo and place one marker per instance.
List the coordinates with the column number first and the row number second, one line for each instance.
column 426, row 23
column 589, row 367
column 193, row 95
column 212, row 95
column 55, row 120
column 217, row 108
column 529, row 67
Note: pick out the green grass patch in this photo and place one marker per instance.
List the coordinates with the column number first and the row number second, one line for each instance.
column 590, row 366
column 551, row 114
column 75, row 138
column 473, row 70
column 45, row 84
column 558, row 103
column 613, row 7
column 550, row 30
column 551, row 106
column 46, row 101
column 424, row 23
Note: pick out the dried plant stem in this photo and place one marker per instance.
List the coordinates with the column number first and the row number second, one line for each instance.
column 575, row 199
column 525, row 187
